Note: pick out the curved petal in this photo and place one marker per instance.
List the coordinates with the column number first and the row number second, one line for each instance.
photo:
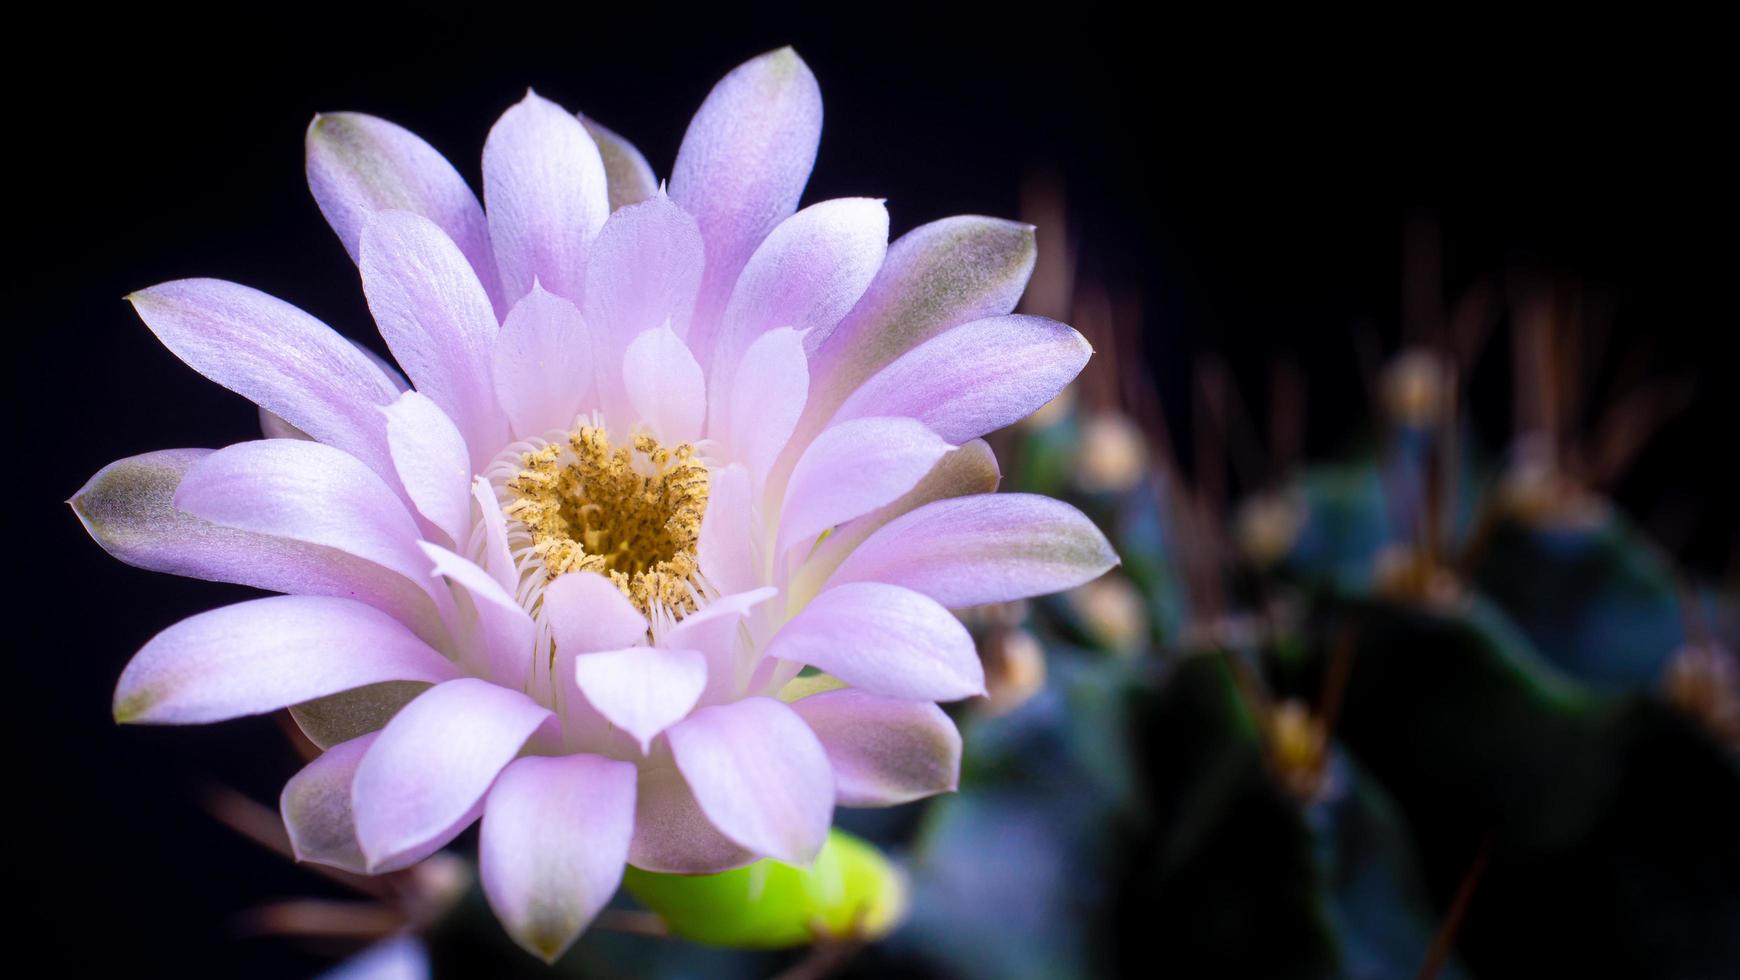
column 424, row 779
column 315, row 805
column 432, row 462
column 438, row 321
column 665, row 385
column 975, row 378
column 626, row 174
column 760, row 775
column 403, row 957
column 886, row 640
column 671, row 834
column 266, row 654
column 129, row 509
column 587, row 613
column 553, row 845
column 730, row 549
column 994, row 547
column 742, row 166
column 304, row 491
column 542, row 363
column 853, row 468
column 884, row 751
column 489, row 543
column 972, row 468
column 713, row 630
column 501, row 648
column 936, row 276
column 358, row 164
column 544, row 192
column 767, row 397
column 278, row 357
column 642, row 690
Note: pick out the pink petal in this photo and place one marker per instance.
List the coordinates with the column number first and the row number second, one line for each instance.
column 128, row 508
column 643, row 274
column 760, row 775
column 315, row 805
column 767, row 397
column 542, row 364
column 730, row 549
column 629, row 179
column 545, row 195
column 936, row 276
column 806, row 275
column 432, row 462
column 438, row 321
column 266, row 654
column 742, row 166
column 853, row 468
column 884, row 751
column 277, row 356
column 500, row 649
column 985, row 548
column 714, row 631
column 665, row 386
column 671, row 834
column 886, row 640
column 587, row 613
column 554, row 840
column 492, row 549
column 975, row 378
column 424, row 779
column 358, row 164
column 642, row 690
column 307, row 492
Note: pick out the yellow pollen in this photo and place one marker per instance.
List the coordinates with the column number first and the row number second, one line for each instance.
column 631, row 515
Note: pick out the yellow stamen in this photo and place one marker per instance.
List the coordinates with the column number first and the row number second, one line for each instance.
column 632, row 515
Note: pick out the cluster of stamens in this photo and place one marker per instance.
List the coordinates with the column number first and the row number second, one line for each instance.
column 631, row 515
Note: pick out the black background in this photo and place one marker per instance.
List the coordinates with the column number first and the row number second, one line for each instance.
column 1251, row 181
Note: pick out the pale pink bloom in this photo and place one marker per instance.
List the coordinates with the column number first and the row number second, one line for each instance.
column 660, row 451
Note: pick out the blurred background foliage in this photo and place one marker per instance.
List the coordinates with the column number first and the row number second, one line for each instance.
column 1428, row 708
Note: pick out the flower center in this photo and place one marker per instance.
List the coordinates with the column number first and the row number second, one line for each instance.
column 632, row 515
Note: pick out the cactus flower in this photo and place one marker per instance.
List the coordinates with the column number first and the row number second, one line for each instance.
column 656, row 451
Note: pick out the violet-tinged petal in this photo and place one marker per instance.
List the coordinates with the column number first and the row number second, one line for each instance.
column 128, row 507
column 806, row 275
column 587, row 612
column 975, row 378
column 308, row 492
column 936, row 276
column 730, row 549
column 504, row 631
column 554, row 841
column 760, row 775
column 665, row 385
column 995, row 547
column 886, row 640
column 492, row 547
column 853, row 468
column 627, row 176
column 767, row 397
column 642, row 690
column 671, row 834
column 545, row 195
column 424, row 779
column 278, row 357
column 435, row 316
column 358, row 164
column 266, row 654
column 542, row 364
column 315, row 806
column 742, row 166
column 713, row 630
column 972, row 468
column 432, row 462
column 402, row 957
column 354, row 713
column 884, row 751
